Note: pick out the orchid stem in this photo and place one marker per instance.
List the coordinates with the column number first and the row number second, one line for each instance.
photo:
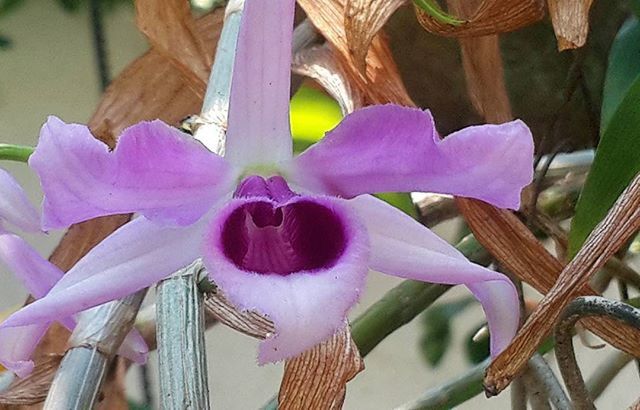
column 181, row 350
column 19, row 153
column 94, row 342
column 180, row 309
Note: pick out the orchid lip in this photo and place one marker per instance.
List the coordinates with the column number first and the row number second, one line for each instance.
column 279, row 232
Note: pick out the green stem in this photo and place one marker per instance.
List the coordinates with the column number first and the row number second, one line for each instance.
column 404, row 302
column 458, row 390
column 433, row 9
column 20, row 153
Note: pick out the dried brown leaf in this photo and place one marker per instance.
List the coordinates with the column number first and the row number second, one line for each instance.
column 321, row 64
column 520, row 252
column 317, row 378
column 247, row 322
column 612, row 233
column 362, row 21
column 570, row 19
column 483, row 69
column 170, row 28
column 486, row 18
column 381, row 82
column 33, row 388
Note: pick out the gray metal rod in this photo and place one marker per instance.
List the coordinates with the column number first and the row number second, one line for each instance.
column 95, row 341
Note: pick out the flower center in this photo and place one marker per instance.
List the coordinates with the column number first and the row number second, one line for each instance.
column 277, row 235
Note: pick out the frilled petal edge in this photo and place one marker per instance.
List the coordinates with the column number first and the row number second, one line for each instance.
column 402, row 247
column 155, row 170
column 388, row 148
column 306, row 306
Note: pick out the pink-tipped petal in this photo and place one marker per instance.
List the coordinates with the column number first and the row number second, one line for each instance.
column 259, row 130
column 402, row 247
column 388, row 148
column 155, row 170
column 39, row 275
column 306, row 306
column 15, row 208
column 134, row 257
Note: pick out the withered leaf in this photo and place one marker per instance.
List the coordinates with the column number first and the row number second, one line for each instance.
column 33, row 388
column 317, row 378
column 621, row 222
column 381, row 82
column 518, row 250
column 570, row 19
column 247, row 322
column 321, row 64
column 486, row 18
column 170, row 28
column 362, row 21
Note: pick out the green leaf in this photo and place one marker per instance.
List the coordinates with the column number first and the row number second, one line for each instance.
column 5, row 42
column 436, row 336
column 616, row 162
column 476, row 351
column 635, row 6
column 313, row 113
column 400, row 200
column 432, row 8
column 8, row 5
column 624, row 67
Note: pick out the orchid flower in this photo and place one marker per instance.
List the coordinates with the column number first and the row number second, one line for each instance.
column 38, row 275
column 291, row 238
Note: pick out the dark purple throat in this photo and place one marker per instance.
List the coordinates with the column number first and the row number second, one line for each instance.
column 279, row 233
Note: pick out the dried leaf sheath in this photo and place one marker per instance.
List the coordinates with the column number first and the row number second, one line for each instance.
column 32, row 389
column 169, row 26
column 317, row 379
column 570, row 20
column 381, row 81
column 489, row 17
column 362, row 21
column 509, row 241
column 622, row 221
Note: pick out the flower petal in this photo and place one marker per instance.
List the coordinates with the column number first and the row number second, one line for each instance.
column 402, row 247
column 259, row 130
column 39, row 275
column 389, row 148
column 17, row 345
column 15, row 208
column 132, row 258
column 155, row 170
column 306, row 306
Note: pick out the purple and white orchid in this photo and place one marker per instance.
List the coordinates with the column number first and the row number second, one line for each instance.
column 289, row 237
column 38, row 276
